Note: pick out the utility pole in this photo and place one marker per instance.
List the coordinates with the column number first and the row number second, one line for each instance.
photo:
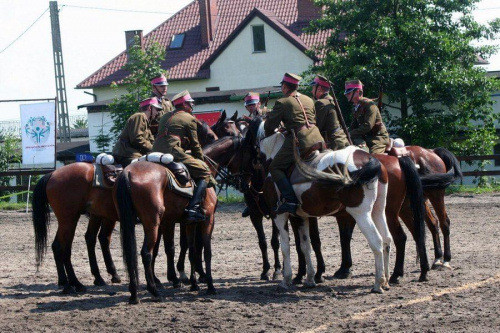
column 62, row 105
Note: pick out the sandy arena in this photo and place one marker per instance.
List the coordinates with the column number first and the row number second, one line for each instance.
column 464, row 299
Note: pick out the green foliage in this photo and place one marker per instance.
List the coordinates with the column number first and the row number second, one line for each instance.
column 231, row 198
column 102, row 140
column 142, row 66
column 495, row 187
column 10, row 152
column 422, row 53
column 81, row 123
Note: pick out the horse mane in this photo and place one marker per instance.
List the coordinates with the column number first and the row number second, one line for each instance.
column 207, row 150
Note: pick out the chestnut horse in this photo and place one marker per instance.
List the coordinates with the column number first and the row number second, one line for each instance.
column 70, row 192
column 142, row 190
column 360, row 190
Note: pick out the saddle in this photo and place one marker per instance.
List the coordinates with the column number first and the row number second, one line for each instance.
column 392, row 150
column 105, row 175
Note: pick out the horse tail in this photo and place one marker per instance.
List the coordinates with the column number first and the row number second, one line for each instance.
column 127, row 215
column 438, row 181
column 450, row 161
column 41, row 218
column 417, row 203
column 367, row 173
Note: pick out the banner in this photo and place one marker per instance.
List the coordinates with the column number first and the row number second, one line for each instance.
column 38, row 133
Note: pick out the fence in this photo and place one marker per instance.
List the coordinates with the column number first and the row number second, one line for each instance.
column 480, row 158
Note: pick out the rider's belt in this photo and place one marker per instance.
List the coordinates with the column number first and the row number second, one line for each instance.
column 300, row 128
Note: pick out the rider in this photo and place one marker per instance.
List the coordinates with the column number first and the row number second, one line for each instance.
column 326, row 116
column 367, row 129
column 159, row 87
column 136, row 138
column 297, row 113
column 252, row 104
column 177, row 133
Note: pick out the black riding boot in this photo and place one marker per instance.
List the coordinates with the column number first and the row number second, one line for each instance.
column 291, row 202
column 193, row 210
column 246, row 212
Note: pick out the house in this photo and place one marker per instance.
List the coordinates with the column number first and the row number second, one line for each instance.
column 218, row 50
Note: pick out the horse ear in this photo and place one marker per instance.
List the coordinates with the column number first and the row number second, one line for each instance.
column 223, row 116
column 235, row 116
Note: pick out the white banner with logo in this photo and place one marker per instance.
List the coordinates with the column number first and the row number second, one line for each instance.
column 38, row 133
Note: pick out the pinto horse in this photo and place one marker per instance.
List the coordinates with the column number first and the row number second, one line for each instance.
column 143, row 191
column 70, row 192
column 360, row 190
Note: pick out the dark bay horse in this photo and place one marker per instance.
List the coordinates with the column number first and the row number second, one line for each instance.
column 143, row 191
column 226, row 126
column 70, row 192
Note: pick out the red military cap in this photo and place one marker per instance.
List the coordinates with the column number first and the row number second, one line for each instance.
column 352, row 85
column 151, row 101
column 291, row 78
column 182, row 97
column 321, row 81
column 252, row 98
column 159, row 80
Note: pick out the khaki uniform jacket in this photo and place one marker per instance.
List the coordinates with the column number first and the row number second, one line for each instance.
column 328, row 123
column 362, row 128
column 289, row 111
column 176, row 134
column 135, row 139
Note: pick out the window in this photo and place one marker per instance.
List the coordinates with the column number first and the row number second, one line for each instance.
column 177, row 41
column 212, row 89
column 259, row 40
column 496, row 151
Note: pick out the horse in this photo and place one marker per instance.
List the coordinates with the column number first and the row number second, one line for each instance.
column 142, row 190
column 70, row 192
column 226, row 126
column 360, row 190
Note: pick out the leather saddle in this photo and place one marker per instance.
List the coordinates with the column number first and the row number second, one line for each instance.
column 179, row 179
column 105, row 175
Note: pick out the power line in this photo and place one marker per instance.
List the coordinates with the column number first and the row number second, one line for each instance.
column 25, row 31
column 118, row 10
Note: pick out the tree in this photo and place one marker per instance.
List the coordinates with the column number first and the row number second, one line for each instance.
column 422, row 53
column 81, row 123
column 142, row 66
column 10, row 152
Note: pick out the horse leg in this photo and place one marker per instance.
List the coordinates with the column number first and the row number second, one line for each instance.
column 379, row 218
column 206, row 231
column 256, row 219
column 190, row 232
column 305, row 246
column 150, row 238
column 363, row 217
column 182, row 255
column 153, row 261
column 107, row 227
column 316, row 245
column 437, row 200
column 346, row 224
column 399, row 237
column 275, row 244
column 280, row 222
column 296, row 223
column 202, row 278
column 168, row 239
column 432, row 224
column 91, row 240
column 62, row 279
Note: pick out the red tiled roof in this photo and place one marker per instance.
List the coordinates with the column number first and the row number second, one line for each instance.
column 186, row 63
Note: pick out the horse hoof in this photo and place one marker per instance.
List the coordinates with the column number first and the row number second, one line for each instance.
column 264, row 277
column 377, row 291
column 69, row 290
column 447, row 265
column 202, row 279
column 211, row 292
column 133, row 300
column 276, row 275
column 309, row 284
column 423, row 277
column 283, row 287
column 159, row 285
column 116, row 279
column 156, row 299
column 342, row 274
column 297, row 280
column 194, row 288
column 80, row 288
column 177, row 284
column 394, row 279
column 99, row 282
column 319, row 279
column 438, row 263
column 183, row 277
column 386, row 287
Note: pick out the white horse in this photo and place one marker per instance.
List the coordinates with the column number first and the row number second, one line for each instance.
column 360, row 189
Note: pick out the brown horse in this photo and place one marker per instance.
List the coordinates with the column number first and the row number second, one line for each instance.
column 226, row 126
column 143, row 191
column 70, row 192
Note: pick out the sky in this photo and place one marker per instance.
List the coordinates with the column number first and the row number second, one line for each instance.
column 92, row 33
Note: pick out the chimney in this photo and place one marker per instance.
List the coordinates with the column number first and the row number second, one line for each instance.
column 307, row 11
column 208, row 20
column 130, row 39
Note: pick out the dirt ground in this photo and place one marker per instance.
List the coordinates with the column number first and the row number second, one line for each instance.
column 466, row 298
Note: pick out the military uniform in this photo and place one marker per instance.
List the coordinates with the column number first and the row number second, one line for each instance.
column 289, row 111
column 135, row 139
column 177, row 133
column 367, row 127
column 328, row 123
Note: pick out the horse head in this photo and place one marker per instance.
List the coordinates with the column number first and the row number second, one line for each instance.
column 226, row 126
column 206, row 135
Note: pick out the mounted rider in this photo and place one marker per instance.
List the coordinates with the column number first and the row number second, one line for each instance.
column 252, row 104
column 297, row 113
column 177, row 133
column 367, row 129
column 136, row 139
column 326, row 116
column 159, row 88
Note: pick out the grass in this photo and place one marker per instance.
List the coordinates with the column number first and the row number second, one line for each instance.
column 13, row 206
column 473, row 189
column 230, row 199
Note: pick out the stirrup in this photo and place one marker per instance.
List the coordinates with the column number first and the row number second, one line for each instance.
column 194, row 216
column 286, row 207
